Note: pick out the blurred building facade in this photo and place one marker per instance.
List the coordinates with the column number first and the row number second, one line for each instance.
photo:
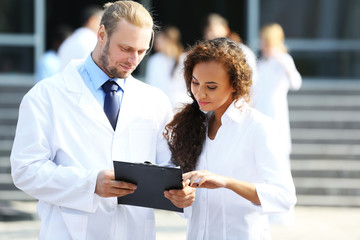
column 322, row 35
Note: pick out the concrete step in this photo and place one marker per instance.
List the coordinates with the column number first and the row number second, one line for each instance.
column 326, row 141
column 8, row 191
column 6, row 182
column 5, row 167
column 4, row 161
column 324, row 125
column 12, row 195
column 5, row 89
column 320, row 171
column 326, row 149
column 328, row 200
column 325, row 134
column 6, row 144
column 16, row 81
column 324, row 116
column 315, row 107
column 325, row 165
column 328, row 183
column 9, row 113
column 328, row 191
column 323, row 173
column 7, row 132
column 6, row 178
column 325, row 86
column 10, row 99
column 321, row 157
column 5, row 148
column 335, row 101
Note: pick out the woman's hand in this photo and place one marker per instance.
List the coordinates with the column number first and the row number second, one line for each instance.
column 205, row 179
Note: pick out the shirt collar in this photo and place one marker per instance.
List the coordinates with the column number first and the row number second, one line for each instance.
column 97, row 76
column 235, row 111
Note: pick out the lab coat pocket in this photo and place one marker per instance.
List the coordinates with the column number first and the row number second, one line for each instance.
column 143, row 142
column 75, row 221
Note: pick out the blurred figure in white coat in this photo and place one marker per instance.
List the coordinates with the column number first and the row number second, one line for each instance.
column 49, row 63
column 216, row 26
column 164, row 67
column 83, row 40
column 277, row 74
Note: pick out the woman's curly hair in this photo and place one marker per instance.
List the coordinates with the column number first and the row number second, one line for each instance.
column 186, row 133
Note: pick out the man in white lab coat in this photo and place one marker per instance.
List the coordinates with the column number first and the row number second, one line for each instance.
column 64, row 144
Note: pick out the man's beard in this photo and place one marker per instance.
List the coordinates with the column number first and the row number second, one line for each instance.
column 110, row 71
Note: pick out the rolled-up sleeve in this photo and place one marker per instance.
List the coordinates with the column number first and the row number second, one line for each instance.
column 276, row 191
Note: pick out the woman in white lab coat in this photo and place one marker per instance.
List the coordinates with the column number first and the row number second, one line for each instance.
column 163, row 68
column 230, row 153
column 277, row 75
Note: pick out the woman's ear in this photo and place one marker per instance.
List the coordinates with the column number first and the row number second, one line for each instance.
column 233, row 88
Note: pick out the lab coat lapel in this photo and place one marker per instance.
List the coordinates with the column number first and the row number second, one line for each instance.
column 129, row 106
column 82, row 95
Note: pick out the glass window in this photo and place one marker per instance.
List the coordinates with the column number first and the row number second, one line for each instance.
column 17, row 16
column 16, row 59
column 321, row 19
column 329, row 64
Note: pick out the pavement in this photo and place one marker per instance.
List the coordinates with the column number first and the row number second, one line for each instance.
column 310, row 223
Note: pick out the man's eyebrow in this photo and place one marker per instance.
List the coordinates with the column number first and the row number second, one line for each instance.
column 130, row 47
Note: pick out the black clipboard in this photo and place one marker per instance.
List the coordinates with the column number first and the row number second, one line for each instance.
column 152, row 181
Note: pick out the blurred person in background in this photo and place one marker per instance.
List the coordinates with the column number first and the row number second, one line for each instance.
column 83, row 40
column 216, row 26
column 230, row 154
column 49, row 63
column 277, row 74
column 163, row 68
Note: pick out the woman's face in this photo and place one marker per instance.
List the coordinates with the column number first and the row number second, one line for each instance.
column 211, row 87
column 265, row 48
column 215, row 30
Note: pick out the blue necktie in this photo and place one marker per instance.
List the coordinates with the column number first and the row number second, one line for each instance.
column 111, row 103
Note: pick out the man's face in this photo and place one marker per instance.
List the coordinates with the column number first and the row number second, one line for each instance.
column 122, row 52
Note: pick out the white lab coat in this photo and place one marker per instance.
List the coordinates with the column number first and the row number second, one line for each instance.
column 63, row 139
column 245, row 148
column 160, row 72
column 77, row 46
column 271, row 89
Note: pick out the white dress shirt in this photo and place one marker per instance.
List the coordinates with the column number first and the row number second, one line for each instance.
column 245, row 149
column 275, row 77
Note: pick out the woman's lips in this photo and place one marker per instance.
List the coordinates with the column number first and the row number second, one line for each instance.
column 203, row 103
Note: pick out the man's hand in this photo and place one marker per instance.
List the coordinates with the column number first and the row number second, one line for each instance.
column 106, row 186
column 183, row 197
